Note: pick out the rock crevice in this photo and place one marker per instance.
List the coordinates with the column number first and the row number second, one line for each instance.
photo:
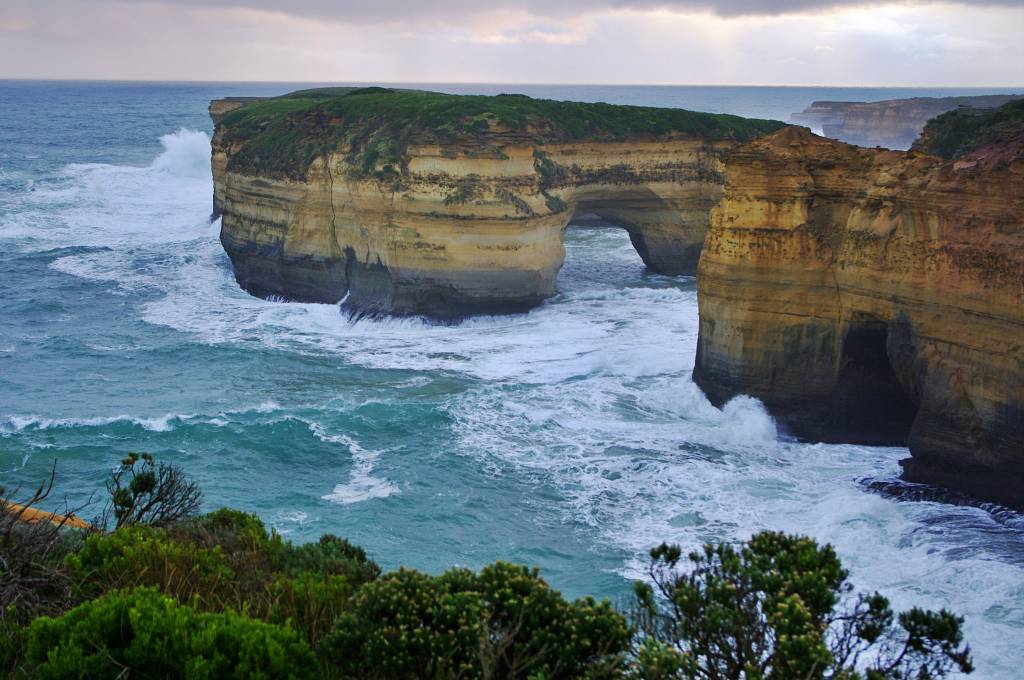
column 871, row 296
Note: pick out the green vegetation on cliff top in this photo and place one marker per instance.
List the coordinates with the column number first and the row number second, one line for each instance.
column 285, row 134
column 957, row 133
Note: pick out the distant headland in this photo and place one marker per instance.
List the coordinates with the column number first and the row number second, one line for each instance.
column 894, row 123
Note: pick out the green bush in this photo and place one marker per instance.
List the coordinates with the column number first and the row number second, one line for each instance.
column 503, row 622
column 141, row 632
column 146, row 556
column 226, row 560
column 331, row 556
column 961, row 131
column 12, row 642
column 310, row 603
column 404, row 625
column 781, row 607
column 143, row 491
column 220, row 596
column 233, row 531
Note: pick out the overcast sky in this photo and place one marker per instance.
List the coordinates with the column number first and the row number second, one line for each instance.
column 748, row 42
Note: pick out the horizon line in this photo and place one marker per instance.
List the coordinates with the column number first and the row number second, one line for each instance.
column 496, row 82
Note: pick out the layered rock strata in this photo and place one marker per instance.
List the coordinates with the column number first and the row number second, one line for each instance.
column 876, row 297
column 419, row 203
column 893, row 123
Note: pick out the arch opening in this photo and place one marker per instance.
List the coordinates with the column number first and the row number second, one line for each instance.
column 667, row 234
column 871, row 396
column 598, row 254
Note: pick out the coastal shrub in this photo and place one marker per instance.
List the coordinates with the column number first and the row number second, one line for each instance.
column 145, row 634
column 781, row 606
column 373, row 89
column 242, row 537
column 12, row 643
column 143, row 491
column 220, row 595
column 551, row 173
column 958, row 132
column 405, row 625
column 233, row 530
column 147, row 556
column 309, row 603
column 504, row 622
column 330, row 556
column 228, row 560
column 532, row 629
column 554, row 203
column 313, row 583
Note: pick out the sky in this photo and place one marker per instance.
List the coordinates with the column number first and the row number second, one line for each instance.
column 701, row 42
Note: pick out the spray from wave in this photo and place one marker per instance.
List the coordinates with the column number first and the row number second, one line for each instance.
column 118, row 206
column 186, row 154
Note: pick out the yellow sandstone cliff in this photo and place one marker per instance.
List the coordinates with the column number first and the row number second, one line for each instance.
column 875, row 296
column 467, row 220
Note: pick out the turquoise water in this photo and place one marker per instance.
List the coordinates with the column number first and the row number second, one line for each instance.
column 571, row 438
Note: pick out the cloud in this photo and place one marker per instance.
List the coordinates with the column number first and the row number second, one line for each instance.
column 378, row 11
column 896, row 43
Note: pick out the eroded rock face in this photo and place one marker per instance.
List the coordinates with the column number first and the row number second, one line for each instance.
column 457, row 226
column 874, row 296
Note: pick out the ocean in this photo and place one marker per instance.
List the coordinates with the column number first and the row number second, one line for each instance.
column 571, row 438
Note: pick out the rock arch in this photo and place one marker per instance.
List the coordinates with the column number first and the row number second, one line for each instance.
column 464, row 231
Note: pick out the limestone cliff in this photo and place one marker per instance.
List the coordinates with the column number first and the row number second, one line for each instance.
column 893, row 123
column 409, row 202
column 875, row 296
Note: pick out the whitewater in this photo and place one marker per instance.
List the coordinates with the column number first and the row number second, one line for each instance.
column 571, row 437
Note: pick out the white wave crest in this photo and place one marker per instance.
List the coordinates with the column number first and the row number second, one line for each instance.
column 162, row 423
column 361, row 485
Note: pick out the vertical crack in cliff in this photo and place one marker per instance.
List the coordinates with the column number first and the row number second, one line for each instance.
column 336, row 251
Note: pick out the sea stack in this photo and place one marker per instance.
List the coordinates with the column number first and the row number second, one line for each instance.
column 878, row 296
column 410, row 202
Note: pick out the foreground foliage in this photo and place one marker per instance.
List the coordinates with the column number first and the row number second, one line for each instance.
column 504, row 622
column 150, row 635
column 220, row 596
column 780, row 606
column 143, row 491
